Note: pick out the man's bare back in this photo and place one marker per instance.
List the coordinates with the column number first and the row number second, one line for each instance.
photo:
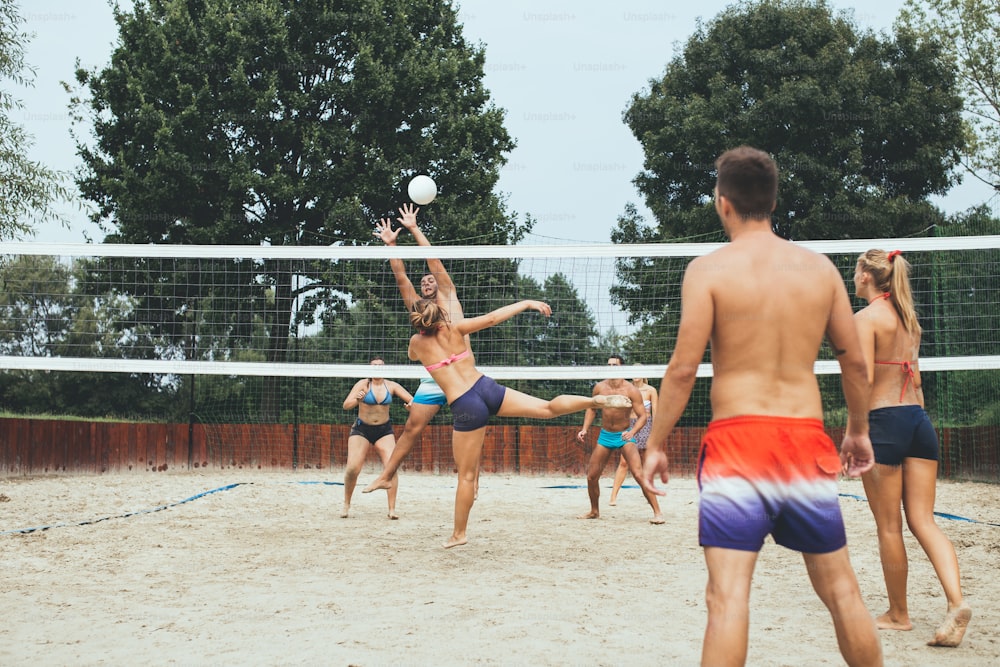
column 769, row 302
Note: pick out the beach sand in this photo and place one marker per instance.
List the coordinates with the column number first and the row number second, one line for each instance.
column 142, row 569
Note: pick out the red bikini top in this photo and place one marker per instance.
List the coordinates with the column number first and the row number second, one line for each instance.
column 906, row 366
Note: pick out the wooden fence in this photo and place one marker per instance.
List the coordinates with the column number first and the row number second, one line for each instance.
column 41, row 446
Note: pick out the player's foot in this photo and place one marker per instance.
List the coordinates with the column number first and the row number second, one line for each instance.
column 455, row 542
column 657, row 519
column 345, row 511
column 950, row 632
column 612, row 401
column 887, row 622
column 393, row 515
column 592, row 514
column 379, row 483
column 612, row 502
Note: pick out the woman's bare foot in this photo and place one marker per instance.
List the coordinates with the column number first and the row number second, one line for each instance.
column 613, row 502
column 592, row 514
column 393, row 515
column 950, row 632
column 612, row 401
column 456, row 542
column 379, row 483
column 345, row 511
column 887, row 622
column 657, row 519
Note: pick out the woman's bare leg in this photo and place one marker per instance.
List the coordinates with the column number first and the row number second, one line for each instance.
column 357, row 450
column 884, row 488
column 519, row 404
column 634, row 460
column 919, row 490
column 384, row 448
column 467, row 447
column 420, row 417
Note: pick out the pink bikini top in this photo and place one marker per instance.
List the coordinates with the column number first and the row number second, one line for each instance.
column 905, row 366
column 449, row 361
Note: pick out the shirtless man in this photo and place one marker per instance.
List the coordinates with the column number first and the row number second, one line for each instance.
column 437, row 284
column 617, row 435
column 767, row 466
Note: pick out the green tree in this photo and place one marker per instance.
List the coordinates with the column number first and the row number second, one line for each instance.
column 36, row 307
column 863, row 129
column 969, row 32
column 288, row 122
column 45, row 313
column 566, row 338
column 28, row 189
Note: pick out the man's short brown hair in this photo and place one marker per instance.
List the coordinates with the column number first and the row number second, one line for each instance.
column 748, row 178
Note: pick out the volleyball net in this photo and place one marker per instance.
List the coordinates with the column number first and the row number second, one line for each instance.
column 258, row 346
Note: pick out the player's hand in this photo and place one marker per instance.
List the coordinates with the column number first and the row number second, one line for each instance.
column 856, row 455
column 582, row 435
column 655, row 465
column 542, row 307
column 408, row 215
column 384, row 230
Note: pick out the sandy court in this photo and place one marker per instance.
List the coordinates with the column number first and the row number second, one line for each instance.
column 266, row 573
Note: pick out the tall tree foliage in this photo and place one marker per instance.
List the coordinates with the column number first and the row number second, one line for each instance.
column 28, row 189
column 864, row 128
column 969, row 32
column 290, row 122
column 43, row 313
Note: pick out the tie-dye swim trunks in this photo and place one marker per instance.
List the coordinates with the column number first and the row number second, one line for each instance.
column 761, row 475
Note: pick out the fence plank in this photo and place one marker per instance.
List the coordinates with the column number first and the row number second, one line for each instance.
column 43, row 446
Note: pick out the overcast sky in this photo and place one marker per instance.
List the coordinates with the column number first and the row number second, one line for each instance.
column 563, row 71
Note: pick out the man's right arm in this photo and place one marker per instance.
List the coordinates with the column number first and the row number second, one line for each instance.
column 588, row 420
column 446, row 288
column 388, row 235
column 693, row 334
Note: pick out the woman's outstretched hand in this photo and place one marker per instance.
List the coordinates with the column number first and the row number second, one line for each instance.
column 542, row 307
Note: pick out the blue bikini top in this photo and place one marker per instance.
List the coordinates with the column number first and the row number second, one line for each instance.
column 370, row 396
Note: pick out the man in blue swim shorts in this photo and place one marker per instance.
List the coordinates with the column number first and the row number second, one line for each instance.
column 617, row 434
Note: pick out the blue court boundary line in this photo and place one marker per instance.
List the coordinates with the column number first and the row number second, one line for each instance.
column 88, row 522
column 943, row 515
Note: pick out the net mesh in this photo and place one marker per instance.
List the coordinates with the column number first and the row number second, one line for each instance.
column 256, row 347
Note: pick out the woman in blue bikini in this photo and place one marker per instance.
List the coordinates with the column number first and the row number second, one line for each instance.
column 905, row 443
column 372, row 397
column 440, row 345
